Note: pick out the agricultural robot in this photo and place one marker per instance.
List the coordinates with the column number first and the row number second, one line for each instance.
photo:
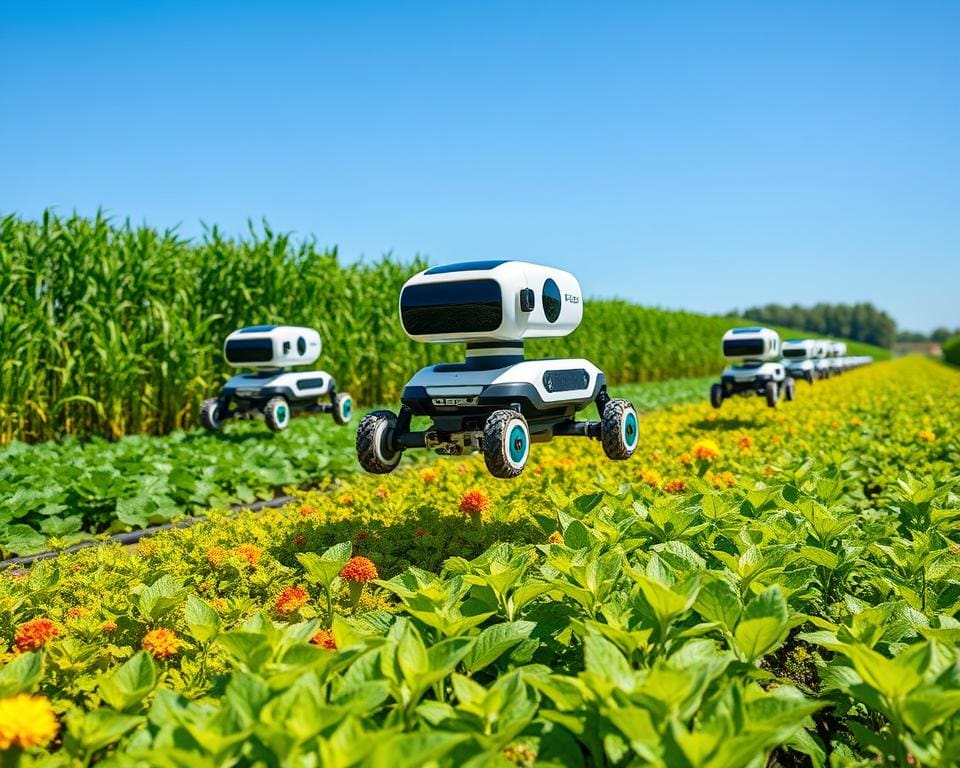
column 496, row 401
column 756, row 369
column 272, row 389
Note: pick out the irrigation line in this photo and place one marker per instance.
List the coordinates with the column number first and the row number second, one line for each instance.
column 132, row 537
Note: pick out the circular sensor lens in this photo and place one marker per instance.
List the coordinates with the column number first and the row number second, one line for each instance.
column 552, row 302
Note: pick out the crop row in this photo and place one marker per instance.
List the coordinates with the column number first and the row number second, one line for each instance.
column 754, row 583
column 55, row 494
column 112, row 330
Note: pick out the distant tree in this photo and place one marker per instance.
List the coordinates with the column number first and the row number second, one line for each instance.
column 911, row 337
column 860, row 322
column 940, row 334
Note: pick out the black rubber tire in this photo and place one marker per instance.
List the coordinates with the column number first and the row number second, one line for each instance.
column 210, row 414
column 619, row 429
column 716, row 395
column 506, row 443
column 342, row 408
column 772, row 393
column 809, row 377
column 373, row 434
column 789, row 389
column 276, row 414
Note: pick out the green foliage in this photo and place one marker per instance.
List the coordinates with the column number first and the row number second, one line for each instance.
column 802, row 613
column 951, row 350
column 858, row 322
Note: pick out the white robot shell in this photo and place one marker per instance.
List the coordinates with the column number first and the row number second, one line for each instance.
column 754, row 343
column 806, row 349
column 485, row 301
column 271, row 346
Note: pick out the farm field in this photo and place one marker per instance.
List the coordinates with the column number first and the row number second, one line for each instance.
column 755, row 587
column 125, row 336
column 55, row 494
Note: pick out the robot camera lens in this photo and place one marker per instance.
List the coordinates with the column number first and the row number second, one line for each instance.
column 552, row 302
column 302, row 346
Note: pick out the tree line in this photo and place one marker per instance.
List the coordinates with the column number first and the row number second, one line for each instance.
column 862, row 322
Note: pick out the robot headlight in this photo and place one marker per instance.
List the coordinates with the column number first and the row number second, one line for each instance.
column 271, row 346
column 751, row 344
column 490, row 300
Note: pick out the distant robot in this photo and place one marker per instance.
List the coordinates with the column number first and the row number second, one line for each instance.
column 495, row 401
column 757, row 369
column 272, row 390
column 800, row 358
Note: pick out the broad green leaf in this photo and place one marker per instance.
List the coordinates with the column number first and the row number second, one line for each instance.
column 131, row 683
column 494, row 641
column 202, row 621
column 764, row 624
column 99, row 728
column 20, row 674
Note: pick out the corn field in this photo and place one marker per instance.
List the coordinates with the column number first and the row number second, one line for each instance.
column 109, row 329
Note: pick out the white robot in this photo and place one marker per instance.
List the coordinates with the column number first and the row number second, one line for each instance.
column 757, row 369
column 837, row 354
column 496, row 401
column 273, row 390
column 800, row 359
column 823, row 364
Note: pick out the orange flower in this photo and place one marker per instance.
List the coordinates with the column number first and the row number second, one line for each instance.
column 161, row 643
column 34, row 634
column 721, row 479
column 78, row 612
column 420, row 532
column 855, row 422
column 746, row 443
column 219, row 604
column 361, row 536
column 299, row 539
column 346, row 500
column 686, row 458
column 216, row 556
column 835, row 425
column 248, row 552
column 108, row 627
column 556, row 538
column 382, row 492
column 474, row 502
column 26, row 721
column 324, row 638
column 675, row 486
column 308, row 509
column 769, row 471
column 359, row 569
column 706, row 449
column 775, row 439
column 291, row 600
column 926, row 436
column 429, row 475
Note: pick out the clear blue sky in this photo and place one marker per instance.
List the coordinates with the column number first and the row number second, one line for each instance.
column 693, row 155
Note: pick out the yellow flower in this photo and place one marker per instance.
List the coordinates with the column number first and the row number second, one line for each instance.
column 706, row 449
column 429, row 475
column 651, row 477
column 26, row 721
column 216, row 556
column 556, row 538
column 926, row 436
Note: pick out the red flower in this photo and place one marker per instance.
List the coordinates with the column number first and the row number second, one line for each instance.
column 291, row 600
column 299, row 539
column 109, row 626
column 359, row 569
column 420, row 532
column 675, row 486
column 34, row 634
column 474, row 502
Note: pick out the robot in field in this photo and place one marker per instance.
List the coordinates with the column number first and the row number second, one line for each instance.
column 272, row 390
column 496, row 401
column 837, row 354
column 800, row 358
column 756, row 369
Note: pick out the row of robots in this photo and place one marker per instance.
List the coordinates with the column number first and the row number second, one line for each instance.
column 763, row 365
column 496, row 401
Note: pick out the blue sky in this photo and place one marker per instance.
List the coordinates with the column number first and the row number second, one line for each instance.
column 693, row 155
